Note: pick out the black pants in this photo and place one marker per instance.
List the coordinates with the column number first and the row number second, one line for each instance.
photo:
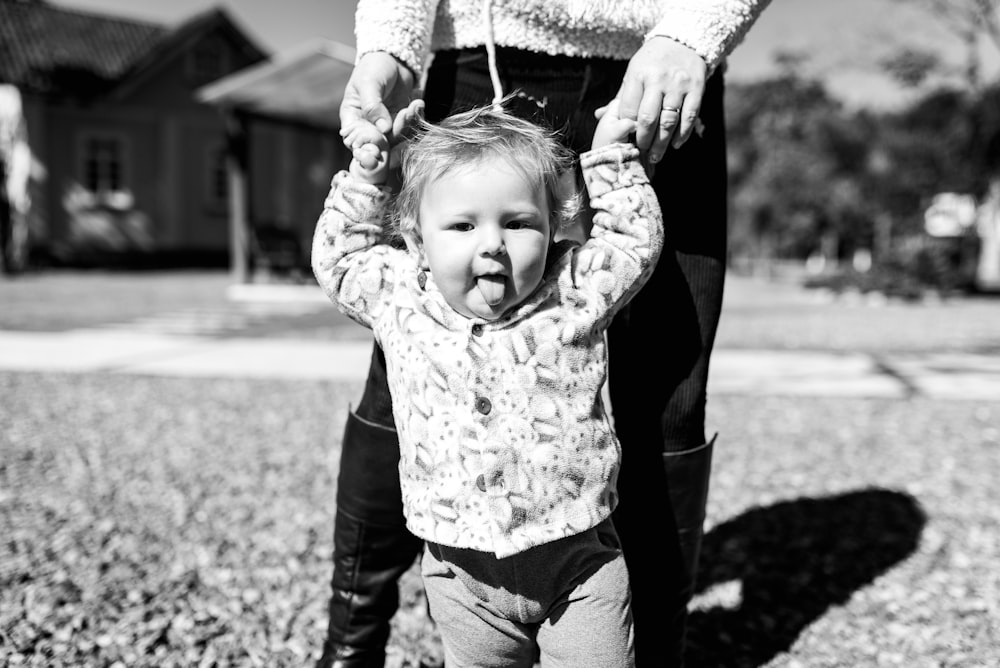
column 659, row 346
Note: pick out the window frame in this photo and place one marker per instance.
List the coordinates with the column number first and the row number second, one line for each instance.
column 199, row 75
column 121, row 141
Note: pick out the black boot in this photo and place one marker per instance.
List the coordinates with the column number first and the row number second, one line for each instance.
column 371, row 547
column 660, row 520
column 687, row 484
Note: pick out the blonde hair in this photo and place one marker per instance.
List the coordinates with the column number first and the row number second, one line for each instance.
column 486, row 133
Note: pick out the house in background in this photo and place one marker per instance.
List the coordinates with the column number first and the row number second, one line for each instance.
column 135, row 164
column 302, row 88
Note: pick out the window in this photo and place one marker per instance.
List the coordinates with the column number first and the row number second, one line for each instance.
column 103, row 166
column 207, row 62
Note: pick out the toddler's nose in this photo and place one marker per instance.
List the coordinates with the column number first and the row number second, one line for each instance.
column 491, row 240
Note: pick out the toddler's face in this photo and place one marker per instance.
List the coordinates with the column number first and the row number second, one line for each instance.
column 486, row 235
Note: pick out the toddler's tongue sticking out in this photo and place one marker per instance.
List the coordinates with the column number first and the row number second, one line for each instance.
column 491, row 287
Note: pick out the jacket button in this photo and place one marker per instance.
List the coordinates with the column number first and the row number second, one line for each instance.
column 422, row 280
column 483, row 405
column 477, row 329
column 481, row 483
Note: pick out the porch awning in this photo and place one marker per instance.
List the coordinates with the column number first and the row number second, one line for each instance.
column 302, row 85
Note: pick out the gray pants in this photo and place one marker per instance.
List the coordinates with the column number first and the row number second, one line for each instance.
column 564, row 604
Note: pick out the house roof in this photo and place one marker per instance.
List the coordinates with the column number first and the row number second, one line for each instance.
column 303, row 85
column 45, row 48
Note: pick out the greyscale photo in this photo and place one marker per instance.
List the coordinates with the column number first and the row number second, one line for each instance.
column 499, row 333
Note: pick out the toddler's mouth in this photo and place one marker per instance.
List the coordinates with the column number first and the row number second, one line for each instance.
column 491, row 287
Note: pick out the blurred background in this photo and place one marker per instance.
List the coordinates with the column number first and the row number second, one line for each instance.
column 864, row 138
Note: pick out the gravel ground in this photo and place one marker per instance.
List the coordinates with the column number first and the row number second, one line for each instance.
column 177, row 522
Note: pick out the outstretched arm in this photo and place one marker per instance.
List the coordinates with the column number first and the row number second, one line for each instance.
column 351, row 255
column 626, row 239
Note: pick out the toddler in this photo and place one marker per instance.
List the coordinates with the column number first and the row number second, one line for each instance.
column 493, row 333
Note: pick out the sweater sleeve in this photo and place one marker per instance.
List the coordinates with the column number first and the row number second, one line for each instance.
column 350, row 257
column 627, row 234
column 713, row 28
column 401, row 28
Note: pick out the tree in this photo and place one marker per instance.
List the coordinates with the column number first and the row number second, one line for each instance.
column 796, row 157
column 971, row 21
column 911, row 66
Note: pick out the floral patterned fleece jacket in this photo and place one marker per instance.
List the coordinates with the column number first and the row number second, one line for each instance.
column 504, row 440
column 412, row 29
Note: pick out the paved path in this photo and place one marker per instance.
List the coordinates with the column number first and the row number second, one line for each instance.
column 141, row 351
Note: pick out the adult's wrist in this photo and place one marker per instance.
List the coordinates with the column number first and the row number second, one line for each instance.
column 402, row 64
column 399, row 62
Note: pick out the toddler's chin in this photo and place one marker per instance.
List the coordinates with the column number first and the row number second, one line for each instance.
column 490, row 313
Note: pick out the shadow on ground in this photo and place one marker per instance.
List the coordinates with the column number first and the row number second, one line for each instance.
column 793, row 561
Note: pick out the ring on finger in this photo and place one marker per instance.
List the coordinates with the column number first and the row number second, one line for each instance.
column 676, row 110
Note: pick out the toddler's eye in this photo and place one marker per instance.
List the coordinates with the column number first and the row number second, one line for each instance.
column 519, row 224
column 461, row 227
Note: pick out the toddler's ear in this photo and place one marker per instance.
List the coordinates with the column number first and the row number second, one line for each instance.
column 416, row 249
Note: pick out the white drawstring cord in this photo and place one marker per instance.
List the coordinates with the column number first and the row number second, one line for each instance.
column 491, row 53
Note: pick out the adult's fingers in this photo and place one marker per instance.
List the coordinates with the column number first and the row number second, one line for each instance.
column 403, row 126
column 406, row 119
column 362, row 133
column 677, row 121
column 689, row 115
column 664, row 83
column 648, row 120
column 379, row 85
column 361, row 104
column 670, row 117
column 373, row 109
column 640, row 102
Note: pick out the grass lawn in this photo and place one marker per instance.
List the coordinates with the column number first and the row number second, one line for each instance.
column 756, row 314
column 56, row 300
column 783, row 316
column 63, row 300
column 179, row 522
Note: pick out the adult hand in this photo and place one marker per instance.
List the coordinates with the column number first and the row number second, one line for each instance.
column 379, row 88
column 662, row 91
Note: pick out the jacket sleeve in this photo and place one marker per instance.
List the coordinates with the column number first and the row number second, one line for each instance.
column 713, row 28
column 350, row 257
column 402, row 28
column 627, row 233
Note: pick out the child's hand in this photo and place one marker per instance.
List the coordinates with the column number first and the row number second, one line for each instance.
column 370, row 149
column 375, row 153
column 611, row 129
